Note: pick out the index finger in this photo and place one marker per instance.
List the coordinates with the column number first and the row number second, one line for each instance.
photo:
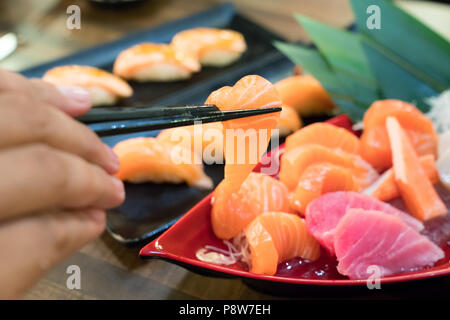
column 72, row 100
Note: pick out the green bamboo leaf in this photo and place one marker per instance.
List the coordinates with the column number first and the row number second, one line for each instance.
column 354, row 111
column 314, row 64
column 395, row 81
column 421, row 50
column 342, row 49
column 361, row 92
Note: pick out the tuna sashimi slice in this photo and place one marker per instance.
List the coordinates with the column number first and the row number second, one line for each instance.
column 365, row 238
column 324, row 213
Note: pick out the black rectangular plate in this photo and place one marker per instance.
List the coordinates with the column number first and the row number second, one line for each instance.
column 150, row 209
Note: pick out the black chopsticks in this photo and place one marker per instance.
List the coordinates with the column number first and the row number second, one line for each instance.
column 114, row 120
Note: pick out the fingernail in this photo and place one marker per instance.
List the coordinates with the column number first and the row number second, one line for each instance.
column 114, row 162
column 78, row 97
column 120, row 189
column 97, row 215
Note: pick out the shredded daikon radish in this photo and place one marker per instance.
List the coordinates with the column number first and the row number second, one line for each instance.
column 202, row 254
column 358, row 126
column 237, row 250
column 440, row 111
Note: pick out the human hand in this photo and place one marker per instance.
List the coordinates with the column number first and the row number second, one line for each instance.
column 56, row 179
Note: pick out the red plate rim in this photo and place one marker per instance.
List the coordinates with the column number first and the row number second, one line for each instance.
column 154, row 250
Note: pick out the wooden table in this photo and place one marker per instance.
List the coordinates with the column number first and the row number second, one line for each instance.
column 109, row 270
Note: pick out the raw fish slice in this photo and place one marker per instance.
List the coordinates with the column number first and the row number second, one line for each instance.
column 305, row 94
column 319, row 179
column 212, row 47
column 326, row 135
column 386, row 189
column 375, row 147
column 416, row 189
column 232, row 213
column 155, row 62
column 274, row 237
column 373, row 238
column 289, row 122
column 324, row 213
column 103, row 87
column 147, row 159
column 295, row 161
column 247, row 138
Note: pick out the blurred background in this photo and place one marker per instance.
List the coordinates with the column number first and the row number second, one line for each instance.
column 38, row 28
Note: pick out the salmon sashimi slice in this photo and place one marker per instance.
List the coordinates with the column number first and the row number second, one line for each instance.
column 246, row 139
column 295, row 161
column 324, row 213
column 305, row 94
column 204, row 140
column 319, row 179
column 385, row 188
column 274, row 237
column 416, row 190
column 370, row 241
column 212, row 47
column 103, row 87
column 326, row 135
column 289, row 122
column 375, row 147
column 259, row 193
column 148, row 159
column 155, row 62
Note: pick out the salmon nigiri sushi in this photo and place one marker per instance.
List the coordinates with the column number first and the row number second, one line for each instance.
column 259, row 193
column 305, row 94
column 103, row 87
column 274, row 237
column 289, row 122
column 155, row 62
column 151, row 160
column 212, row 47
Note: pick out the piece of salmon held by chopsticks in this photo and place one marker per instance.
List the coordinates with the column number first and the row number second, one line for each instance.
column 417, row 191
column 246, row 139
column 274, row 237
column 104, row 88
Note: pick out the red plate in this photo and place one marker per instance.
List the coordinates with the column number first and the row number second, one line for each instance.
column 193, row 231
